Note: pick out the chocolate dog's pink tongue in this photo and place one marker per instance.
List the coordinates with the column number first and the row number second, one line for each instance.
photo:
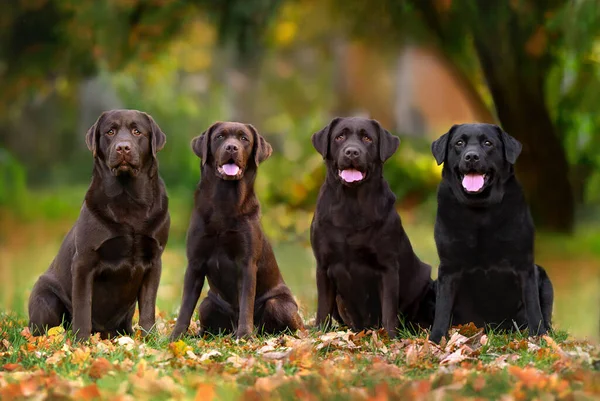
column 351, row 175
column 231, row 168
column 473, row 182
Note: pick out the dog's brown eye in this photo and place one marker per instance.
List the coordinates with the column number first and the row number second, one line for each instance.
column 136, row 132
column 244, row 138
column 488, row 143
column 220, row 136
column 110, row 132
column 339, row 138
column 367, row 139
column 460, row 142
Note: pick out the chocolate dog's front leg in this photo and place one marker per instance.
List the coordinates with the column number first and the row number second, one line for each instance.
column 531, row 299
column 82, row 288
column 147, row 296
column 247, row 296
column 447, row 287
column 325, row 297
column 390, row 294
column 192, row 288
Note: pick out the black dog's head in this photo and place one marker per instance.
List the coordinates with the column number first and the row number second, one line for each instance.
column 231, row 149
column 355, row 148
column 126, row 141
column 478, row 159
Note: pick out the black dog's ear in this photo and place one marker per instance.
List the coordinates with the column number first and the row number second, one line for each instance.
column 439, row 147
column 262, row 149
column 320, row 139
column 200, row 144
column 388, row 143
column 158, row 136
column 512, row 147
column 91, row 137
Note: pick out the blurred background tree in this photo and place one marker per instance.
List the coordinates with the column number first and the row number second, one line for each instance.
column 288, row 67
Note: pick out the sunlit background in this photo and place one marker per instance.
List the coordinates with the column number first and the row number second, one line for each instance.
column 288, row 67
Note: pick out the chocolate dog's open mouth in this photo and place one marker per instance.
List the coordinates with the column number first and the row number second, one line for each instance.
column 475, row 182
column 230, row 170
column 124, row 168
column 351, row 175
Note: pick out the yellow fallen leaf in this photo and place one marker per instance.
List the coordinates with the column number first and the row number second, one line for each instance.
column 55, row 331
column 179, row 348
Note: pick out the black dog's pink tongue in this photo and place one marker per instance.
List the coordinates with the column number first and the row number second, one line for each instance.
column 231, row 169
column 351, row 175
column 473, row 182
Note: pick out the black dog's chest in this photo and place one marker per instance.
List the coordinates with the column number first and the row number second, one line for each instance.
column 131, row 250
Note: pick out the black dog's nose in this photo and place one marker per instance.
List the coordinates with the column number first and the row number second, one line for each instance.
column 230, row 147
column 471, row 157
column 352, row 153
column 123, row 147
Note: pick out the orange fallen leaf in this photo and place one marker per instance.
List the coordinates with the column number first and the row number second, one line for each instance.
column 478, row 383
column 10, row 367
column 99, row 368
column 205, row 392
column 87, row 393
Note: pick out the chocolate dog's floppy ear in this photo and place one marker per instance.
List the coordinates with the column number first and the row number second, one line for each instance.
column 157, row 142
column 512, row 147
column 320, row 139
column 262, row 149
column 201, row 143
column 158, row 136
column 388, row 143
column 439, row 147
column 91, row 137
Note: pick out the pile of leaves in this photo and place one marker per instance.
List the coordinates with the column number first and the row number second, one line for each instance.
column 308, row 365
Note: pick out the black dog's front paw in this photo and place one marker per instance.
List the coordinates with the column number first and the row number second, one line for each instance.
column 436, row 336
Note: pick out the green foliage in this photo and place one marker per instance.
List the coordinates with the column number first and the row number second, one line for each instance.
column 12, row 181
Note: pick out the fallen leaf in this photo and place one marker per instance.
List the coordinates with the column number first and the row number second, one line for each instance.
column 87, row 393
column 479, row 383
column 205, row 392
column 209, row 354
column 99, row 368
column 56, row 330
column 9, row 367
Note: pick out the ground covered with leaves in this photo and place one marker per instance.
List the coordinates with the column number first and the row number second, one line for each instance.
column 309, row 365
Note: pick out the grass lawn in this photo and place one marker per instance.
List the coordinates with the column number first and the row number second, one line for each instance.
column 310, row 365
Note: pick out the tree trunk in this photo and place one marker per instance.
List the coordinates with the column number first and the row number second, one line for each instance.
column 515, row 60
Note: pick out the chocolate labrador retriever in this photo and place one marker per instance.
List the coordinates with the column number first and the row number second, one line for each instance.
column 367, row 272
column 484, row 235
column 111, row 258
column 226, row 243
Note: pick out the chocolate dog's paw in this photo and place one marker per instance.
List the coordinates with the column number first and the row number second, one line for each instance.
column 177, row 333
column 243, row 332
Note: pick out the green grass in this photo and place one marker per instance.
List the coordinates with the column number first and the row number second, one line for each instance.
column 307, row 365
column 314, row 369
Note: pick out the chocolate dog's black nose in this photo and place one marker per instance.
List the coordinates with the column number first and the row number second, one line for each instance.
column 352, row 153
column 123, row 147
column 471, row 157
column 230, row 147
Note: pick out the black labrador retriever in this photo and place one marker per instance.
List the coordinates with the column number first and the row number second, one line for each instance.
column 111, row 258
column 367, row 272
column 226, row 244
column 485, row 236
